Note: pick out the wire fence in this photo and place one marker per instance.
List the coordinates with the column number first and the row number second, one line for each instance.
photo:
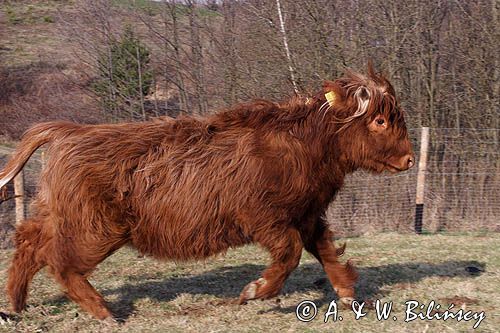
column 31, row 173
column 462, row 189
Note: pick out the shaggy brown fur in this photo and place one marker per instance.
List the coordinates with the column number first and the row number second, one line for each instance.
column 189, row 188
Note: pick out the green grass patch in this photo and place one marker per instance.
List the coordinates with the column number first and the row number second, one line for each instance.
column 153, row 8
column 29, row 14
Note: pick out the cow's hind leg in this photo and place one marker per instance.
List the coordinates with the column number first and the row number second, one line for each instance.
column 81, row 291
column 30, row 241
column 285, row 249
column 78, row 260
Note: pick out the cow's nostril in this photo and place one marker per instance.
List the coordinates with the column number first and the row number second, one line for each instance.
column 411, row 162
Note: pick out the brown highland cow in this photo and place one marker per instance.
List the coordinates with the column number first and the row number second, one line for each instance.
column 192, row 187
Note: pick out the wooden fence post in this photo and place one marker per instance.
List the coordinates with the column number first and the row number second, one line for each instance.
column 19, row 194
column 422, row 166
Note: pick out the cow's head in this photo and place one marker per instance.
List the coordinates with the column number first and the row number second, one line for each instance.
column 370, row 127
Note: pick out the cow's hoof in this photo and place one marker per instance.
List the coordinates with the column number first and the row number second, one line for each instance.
column 346, row 302
column 250, row 290
column 110, row 321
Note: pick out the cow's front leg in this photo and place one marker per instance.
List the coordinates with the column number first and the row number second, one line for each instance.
column 343, row 277
column 285, row 249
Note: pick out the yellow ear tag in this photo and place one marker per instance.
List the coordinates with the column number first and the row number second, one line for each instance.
column 330, row 97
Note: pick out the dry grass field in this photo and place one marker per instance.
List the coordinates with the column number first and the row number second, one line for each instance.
column 152, row 296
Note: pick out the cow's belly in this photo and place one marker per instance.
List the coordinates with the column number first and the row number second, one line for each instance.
column 186, row 240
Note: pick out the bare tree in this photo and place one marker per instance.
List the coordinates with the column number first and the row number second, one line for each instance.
column 287, row 48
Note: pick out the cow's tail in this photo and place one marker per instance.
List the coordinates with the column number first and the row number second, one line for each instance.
column 32, row 139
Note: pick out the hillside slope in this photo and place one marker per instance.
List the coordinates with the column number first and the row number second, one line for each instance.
column 39, row 74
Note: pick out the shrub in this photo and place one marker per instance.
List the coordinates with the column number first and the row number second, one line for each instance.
column 124, row 76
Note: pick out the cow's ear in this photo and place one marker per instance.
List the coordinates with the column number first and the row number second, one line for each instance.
column 334, row 92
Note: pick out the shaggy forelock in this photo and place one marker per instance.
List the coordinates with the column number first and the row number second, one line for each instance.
column 380, row 94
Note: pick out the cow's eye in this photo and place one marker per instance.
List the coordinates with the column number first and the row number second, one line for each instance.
column 380, row 121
